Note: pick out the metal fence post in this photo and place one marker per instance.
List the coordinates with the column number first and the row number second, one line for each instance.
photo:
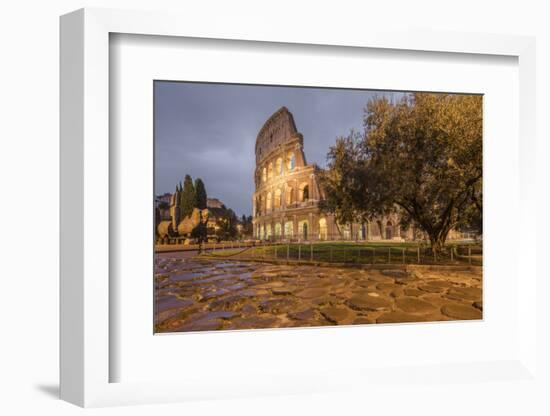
column 451, row 253
column 310, row 251
column 418, row 254
column 470, row 255
column 331, row 254
column 403, row 255
column 373, row 255
column 276, row 252
column 344, row 254
column 287, row 251
column 389, row 255
column 299, row 252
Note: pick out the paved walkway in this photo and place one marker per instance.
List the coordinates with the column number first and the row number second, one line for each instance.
column 194, row 294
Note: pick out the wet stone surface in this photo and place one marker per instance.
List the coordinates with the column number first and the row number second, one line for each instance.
column 194, row 294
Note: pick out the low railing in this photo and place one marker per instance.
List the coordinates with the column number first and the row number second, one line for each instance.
column 352, row 253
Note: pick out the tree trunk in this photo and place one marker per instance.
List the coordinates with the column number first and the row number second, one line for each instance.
column 437, row 241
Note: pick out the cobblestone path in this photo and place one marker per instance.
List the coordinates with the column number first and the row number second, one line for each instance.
column 193, row 294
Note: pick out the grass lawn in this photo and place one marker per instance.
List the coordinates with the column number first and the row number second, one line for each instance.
column 359, row 253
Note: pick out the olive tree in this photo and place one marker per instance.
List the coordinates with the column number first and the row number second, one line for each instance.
column 420, row 157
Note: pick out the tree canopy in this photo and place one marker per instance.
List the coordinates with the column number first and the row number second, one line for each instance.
column 420, row 157
column 200, row 194
column 187, row 197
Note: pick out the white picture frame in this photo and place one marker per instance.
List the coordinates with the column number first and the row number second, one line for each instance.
column 85, row 211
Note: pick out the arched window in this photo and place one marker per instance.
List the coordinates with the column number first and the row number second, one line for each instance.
column 264, row 174
column 291, row 161
column 303, row 228
column 279, row 167
column 277, row 203
column 268, row 202
column 268, row 231
column 278, row 230
column 270, row 171
column 304, row 192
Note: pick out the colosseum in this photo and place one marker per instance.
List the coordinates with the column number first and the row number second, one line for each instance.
column 287, row 196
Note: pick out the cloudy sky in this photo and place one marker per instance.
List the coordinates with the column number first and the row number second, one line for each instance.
column 209, row 131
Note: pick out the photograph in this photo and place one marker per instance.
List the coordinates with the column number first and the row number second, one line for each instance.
column 297, row 206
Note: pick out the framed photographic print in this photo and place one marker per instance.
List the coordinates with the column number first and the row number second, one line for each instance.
column 282, row 213
column 350, row 234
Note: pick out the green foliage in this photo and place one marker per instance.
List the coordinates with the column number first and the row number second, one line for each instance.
column 345, row 180
column 200, row 194
column 187, row 202
column 228, row 225
column 420, row 157
column 246, row 223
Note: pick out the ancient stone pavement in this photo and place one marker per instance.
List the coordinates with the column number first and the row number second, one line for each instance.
column 194, row 294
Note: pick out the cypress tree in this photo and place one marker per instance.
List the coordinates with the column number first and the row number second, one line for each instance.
column 200, row 194
column 187, row 197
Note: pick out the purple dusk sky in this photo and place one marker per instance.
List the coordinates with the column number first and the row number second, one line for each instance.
column 209, row 131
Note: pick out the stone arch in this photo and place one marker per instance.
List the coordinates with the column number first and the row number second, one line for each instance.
column 303, row 229
column 258, row 207
column 277, row 201
column 289, row 229
column 346, row 231
column 268, row 202
column 278, row 230
column 279, row 167
column 323, row 229
column 364, row 233
column 289, row 195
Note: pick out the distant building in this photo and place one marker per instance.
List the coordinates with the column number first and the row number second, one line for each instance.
column 166, row 197
column 214, row 203
column 162, row 203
